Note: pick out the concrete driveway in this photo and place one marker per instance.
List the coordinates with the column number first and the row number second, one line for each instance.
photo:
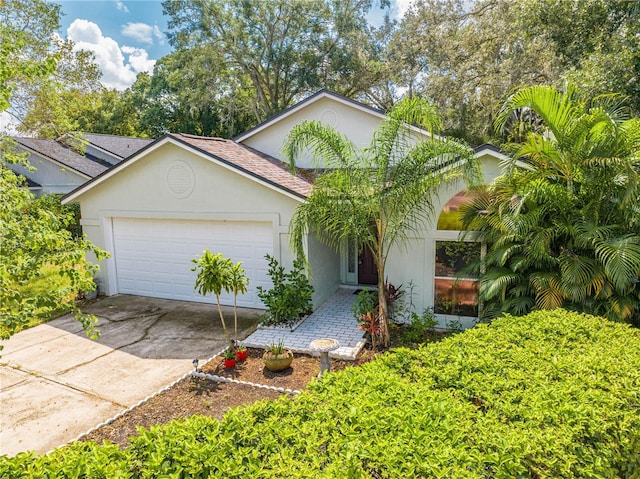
column 55, row 383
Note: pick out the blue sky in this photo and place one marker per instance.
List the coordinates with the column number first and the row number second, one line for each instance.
column 127, row 37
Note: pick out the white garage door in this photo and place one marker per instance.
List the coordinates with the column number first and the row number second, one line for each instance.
column 153, row 257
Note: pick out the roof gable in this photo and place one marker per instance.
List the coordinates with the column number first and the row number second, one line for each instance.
column 319, row 95
column 239, row 158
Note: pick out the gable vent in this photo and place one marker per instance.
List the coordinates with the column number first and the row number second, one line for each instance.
column 180, row 179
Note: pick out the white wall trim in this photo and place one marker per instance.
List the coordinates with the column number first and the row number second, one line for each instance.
column 109, row 243
column 273, row 218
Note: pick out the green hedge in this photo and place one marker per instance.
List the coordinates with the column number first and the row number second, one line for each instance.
column 548, row 395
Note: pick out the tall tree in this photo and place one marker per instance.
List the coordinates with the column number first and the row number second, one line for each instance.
column 25, row 37
column 470, row 55
column 596, row 42
column 218, row 101
column 564, row 230
column 52, row 106
column 35, row 241
column 376, row 195
column 285, row 48
column 467, row 56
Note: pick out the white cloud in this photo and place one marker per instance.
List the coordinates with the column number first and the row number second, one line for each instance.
column 158, row 34
column 117, row 71
column 142, row 32
column 9, row 124
column 122, row 7
column 401, row 7
column 139, row 59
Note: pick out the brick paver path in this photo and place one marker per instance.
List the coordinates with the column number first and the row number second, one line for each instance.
column 334, row 319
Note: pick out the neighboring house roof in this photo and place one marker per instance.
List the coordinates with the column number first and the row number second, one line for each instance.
column 64, row 156
column 245, row 160
column 324, row 93
column 122, row 146
column 32, row 184
column 489, row 149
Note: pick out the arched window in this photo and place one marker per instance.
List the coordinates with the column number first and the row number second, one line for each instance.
column 449, row 218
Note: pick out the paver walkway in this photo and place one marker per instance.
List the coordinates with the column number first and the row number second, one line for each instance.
column 334, row 319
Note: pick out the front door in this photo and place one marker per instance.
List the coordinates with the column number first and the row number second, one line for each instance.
column 367, row 271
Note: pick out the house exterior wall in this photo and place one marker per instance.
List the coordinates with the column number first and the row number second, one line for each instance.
column 143, row 191
column 325, row 269
column 414, row 261
column 357, row 125
column 52, row 177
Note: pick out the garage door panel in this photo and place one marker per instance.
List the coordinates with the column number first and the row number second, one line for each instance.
column 153, row 257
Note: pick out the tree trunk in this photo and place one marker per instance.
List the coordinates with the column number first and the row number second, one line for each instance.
column 384, row 314
column 235, row 318
column 224, row 325
column 382, row 296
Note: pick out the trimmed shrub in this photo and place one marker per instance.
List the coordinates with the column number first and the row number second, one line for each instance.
column 290, row 297
column 553, row 394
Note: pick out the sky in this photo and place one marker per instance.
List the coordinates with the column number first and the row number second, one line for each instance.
column 127, row 37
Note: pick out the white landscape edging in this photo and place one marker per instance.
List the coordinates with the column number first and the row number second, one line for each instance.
column 282, row 327
column 222, row 379
column 136, row 405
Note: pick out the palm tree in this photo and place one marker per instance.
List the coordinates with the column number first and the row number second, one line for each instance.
column 238, row 283
column 564, row 230
column 214, row 277
column 376, row 195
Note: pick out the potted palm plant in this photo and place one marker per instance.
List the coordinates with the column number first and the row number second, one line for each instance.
column 276, row 357
column 241, row 352
column 229, row 358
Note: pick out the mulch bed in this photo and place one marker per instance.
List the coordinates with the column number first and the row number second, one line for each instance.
column 203, row 396
column 209, row 398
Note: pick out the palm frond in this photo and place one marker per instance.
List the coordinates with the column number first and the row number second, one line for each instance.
column 329, row 148
column 621, row 260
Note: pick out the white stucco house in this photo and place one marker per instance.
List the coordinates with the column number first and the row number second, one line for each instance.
column 58, row 168
column 165, row 204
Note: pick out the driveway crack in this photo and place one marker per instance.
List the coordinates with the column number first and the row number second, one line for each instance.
column 142, row 338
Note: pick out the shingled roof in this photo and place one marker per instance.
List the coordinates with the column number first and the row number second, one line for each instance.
column 250, row 161
column 63, row 155
column 122, row 146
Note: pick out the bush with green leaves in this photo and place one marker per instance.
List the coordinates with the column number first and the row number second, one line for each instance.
column 421, row 324
column 43, row 266
column 366, row 301
column 554, row 394
column 290, row 297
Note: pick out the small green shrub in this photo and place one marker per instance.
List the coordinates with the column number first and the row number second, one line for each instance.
column 554, row 394
column 366, row 301
column 421, row 324
column 289, row 298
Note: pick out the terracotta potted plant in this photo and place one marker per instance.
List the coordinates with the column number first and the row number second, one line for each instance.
column 276, row 357
column 229, row 358
column 241, row 352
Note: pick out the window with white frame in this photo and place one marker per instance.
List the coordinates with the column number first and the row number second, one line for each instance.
column 455, row 285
